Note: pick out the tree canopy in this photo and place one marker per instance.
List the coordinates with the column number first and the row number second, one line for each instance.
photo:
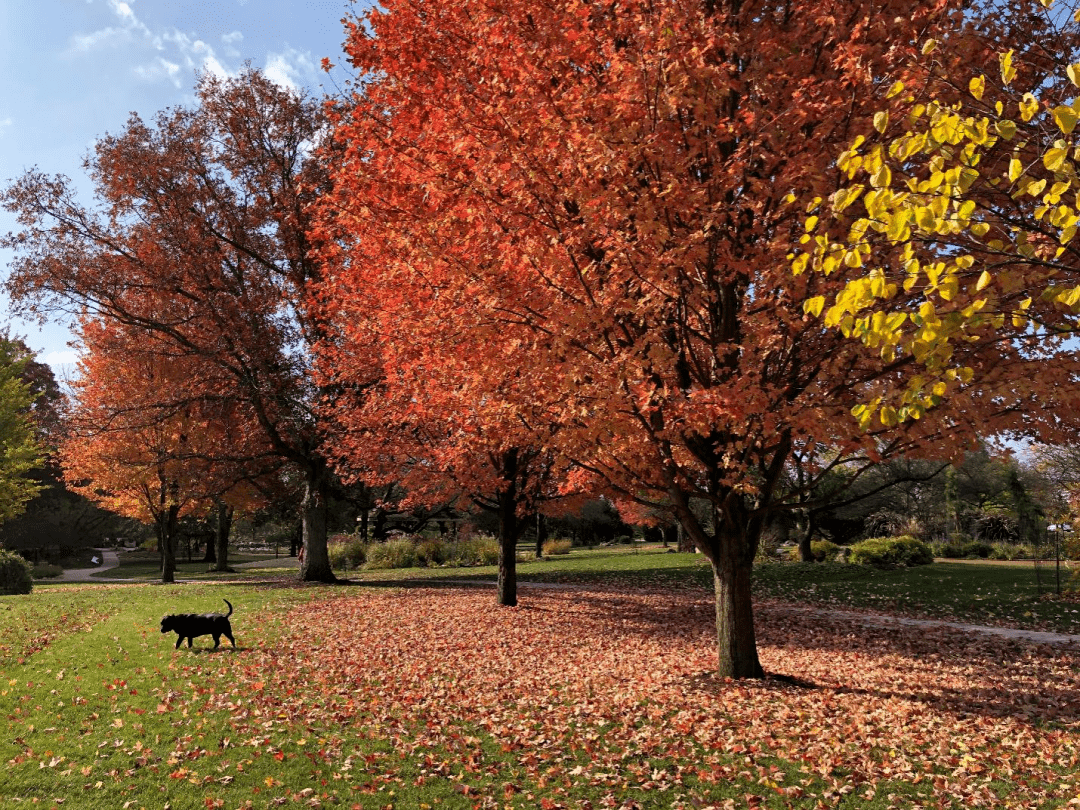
column 584, row 211
column 199, row 240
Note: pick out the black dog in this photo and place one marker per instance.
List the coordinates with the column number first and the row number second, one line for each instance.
column 189, row 625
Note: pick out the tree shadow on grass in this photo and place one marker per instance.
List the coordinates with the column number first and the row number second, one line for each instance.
column 948, row 669
column 945, row 669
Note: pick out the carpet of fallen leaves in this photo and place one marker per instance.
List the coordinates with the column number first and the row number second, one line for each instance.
column 587, row 698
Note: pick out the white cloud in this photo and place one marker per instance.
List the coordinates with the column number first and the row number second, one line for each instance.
column 292, row 69
column 160, row 68
column 129, row 31
column 197, row 54
column 5, row 124
column 175, row 53
column 230, row 43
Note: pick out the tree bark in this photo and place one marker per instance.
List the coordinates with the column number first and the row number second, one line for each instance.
column 221, row 536
column 735, row 638
column 166, row 528
column 315, row 566
column 730, row 549
column 541, row 535
column 508, row 531
column 806, row 553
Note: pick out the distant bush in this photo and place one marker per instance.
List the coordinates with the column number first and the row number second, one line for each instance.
column 430, row 552
column 397, row 553
column 347, row 551
column 477, row 550
column 824, row 550
column 962, row 547
column 409, row 551
column 556, row 546
column 1012, row 551
column 891, row 552
column 46, row 571
column 976, row 550
column 15, row 574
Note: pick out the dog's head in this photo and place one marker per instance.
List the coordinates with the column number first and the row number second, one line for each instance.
column 167, row 623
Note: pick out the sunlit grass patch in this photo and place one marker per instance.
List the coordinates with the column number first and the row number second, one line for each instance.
column 406, row 697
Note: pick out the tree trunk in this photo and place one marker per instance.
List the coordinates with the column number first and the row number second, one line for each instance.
column 686, row 542
column 541, row 535
column 315, row 566
column 730, row 549
column 508, row 531
column 221, row 536
column 166, row 526
column 806, row 553
column 735, row 637
column 211, row 549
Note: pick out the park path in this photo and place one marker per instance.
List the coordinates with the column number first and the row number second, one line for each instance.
column 109, row 559
column 888, row 620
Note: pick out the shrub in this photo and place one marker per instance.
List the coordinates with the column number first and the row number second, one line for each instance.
column 46, row 571
column 476, row 550
column 975, row 549
column 15, row 574
column 431, row 551
column 397, row 553
column 891, row 552
column 1012, row 551
column 823, row 550
column 556, row 546
column 347, row 551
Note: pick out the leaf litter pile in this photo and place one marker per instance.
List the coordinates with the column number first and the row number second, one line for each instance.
column 591, row 699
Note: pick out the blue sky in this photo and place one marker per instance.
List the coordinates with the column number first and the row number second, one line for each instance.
column 74, row 70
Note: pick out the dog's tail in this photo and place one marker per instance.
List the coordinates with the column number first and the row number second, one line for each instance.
column 227, row 602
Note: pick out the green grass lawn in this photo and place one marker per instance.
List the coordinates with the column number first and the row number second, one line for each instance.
column 978, row 592
column 389, row 692
column 1004, row 594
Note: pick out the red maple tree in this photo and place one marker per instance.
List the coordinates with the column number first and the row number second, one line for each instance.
column 599, row 197
column 200, row 239
column 143, row 440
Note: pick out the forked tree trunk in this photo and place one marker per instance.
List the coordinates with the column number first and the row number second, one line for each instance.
column 315, row 566
column 730, row 549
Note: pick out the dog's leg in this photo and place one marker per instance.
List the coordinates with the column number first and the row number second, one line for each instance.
column 189, row 640
column 228, row 635
column 217, row 640
column 179, row 641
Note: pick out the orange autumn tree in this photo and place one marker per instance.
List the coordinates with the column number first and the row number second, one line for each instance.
column 199, row 236
column 599, row 195
column 141, row 440
column 419, row 413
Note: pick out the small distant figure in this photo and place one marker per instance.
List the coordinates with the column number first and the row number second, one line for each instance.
column 94, row 560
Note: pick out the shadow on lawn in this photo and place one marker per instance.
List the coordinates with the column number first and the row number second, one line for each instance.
column 1034, row 683
column 1003, row 677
